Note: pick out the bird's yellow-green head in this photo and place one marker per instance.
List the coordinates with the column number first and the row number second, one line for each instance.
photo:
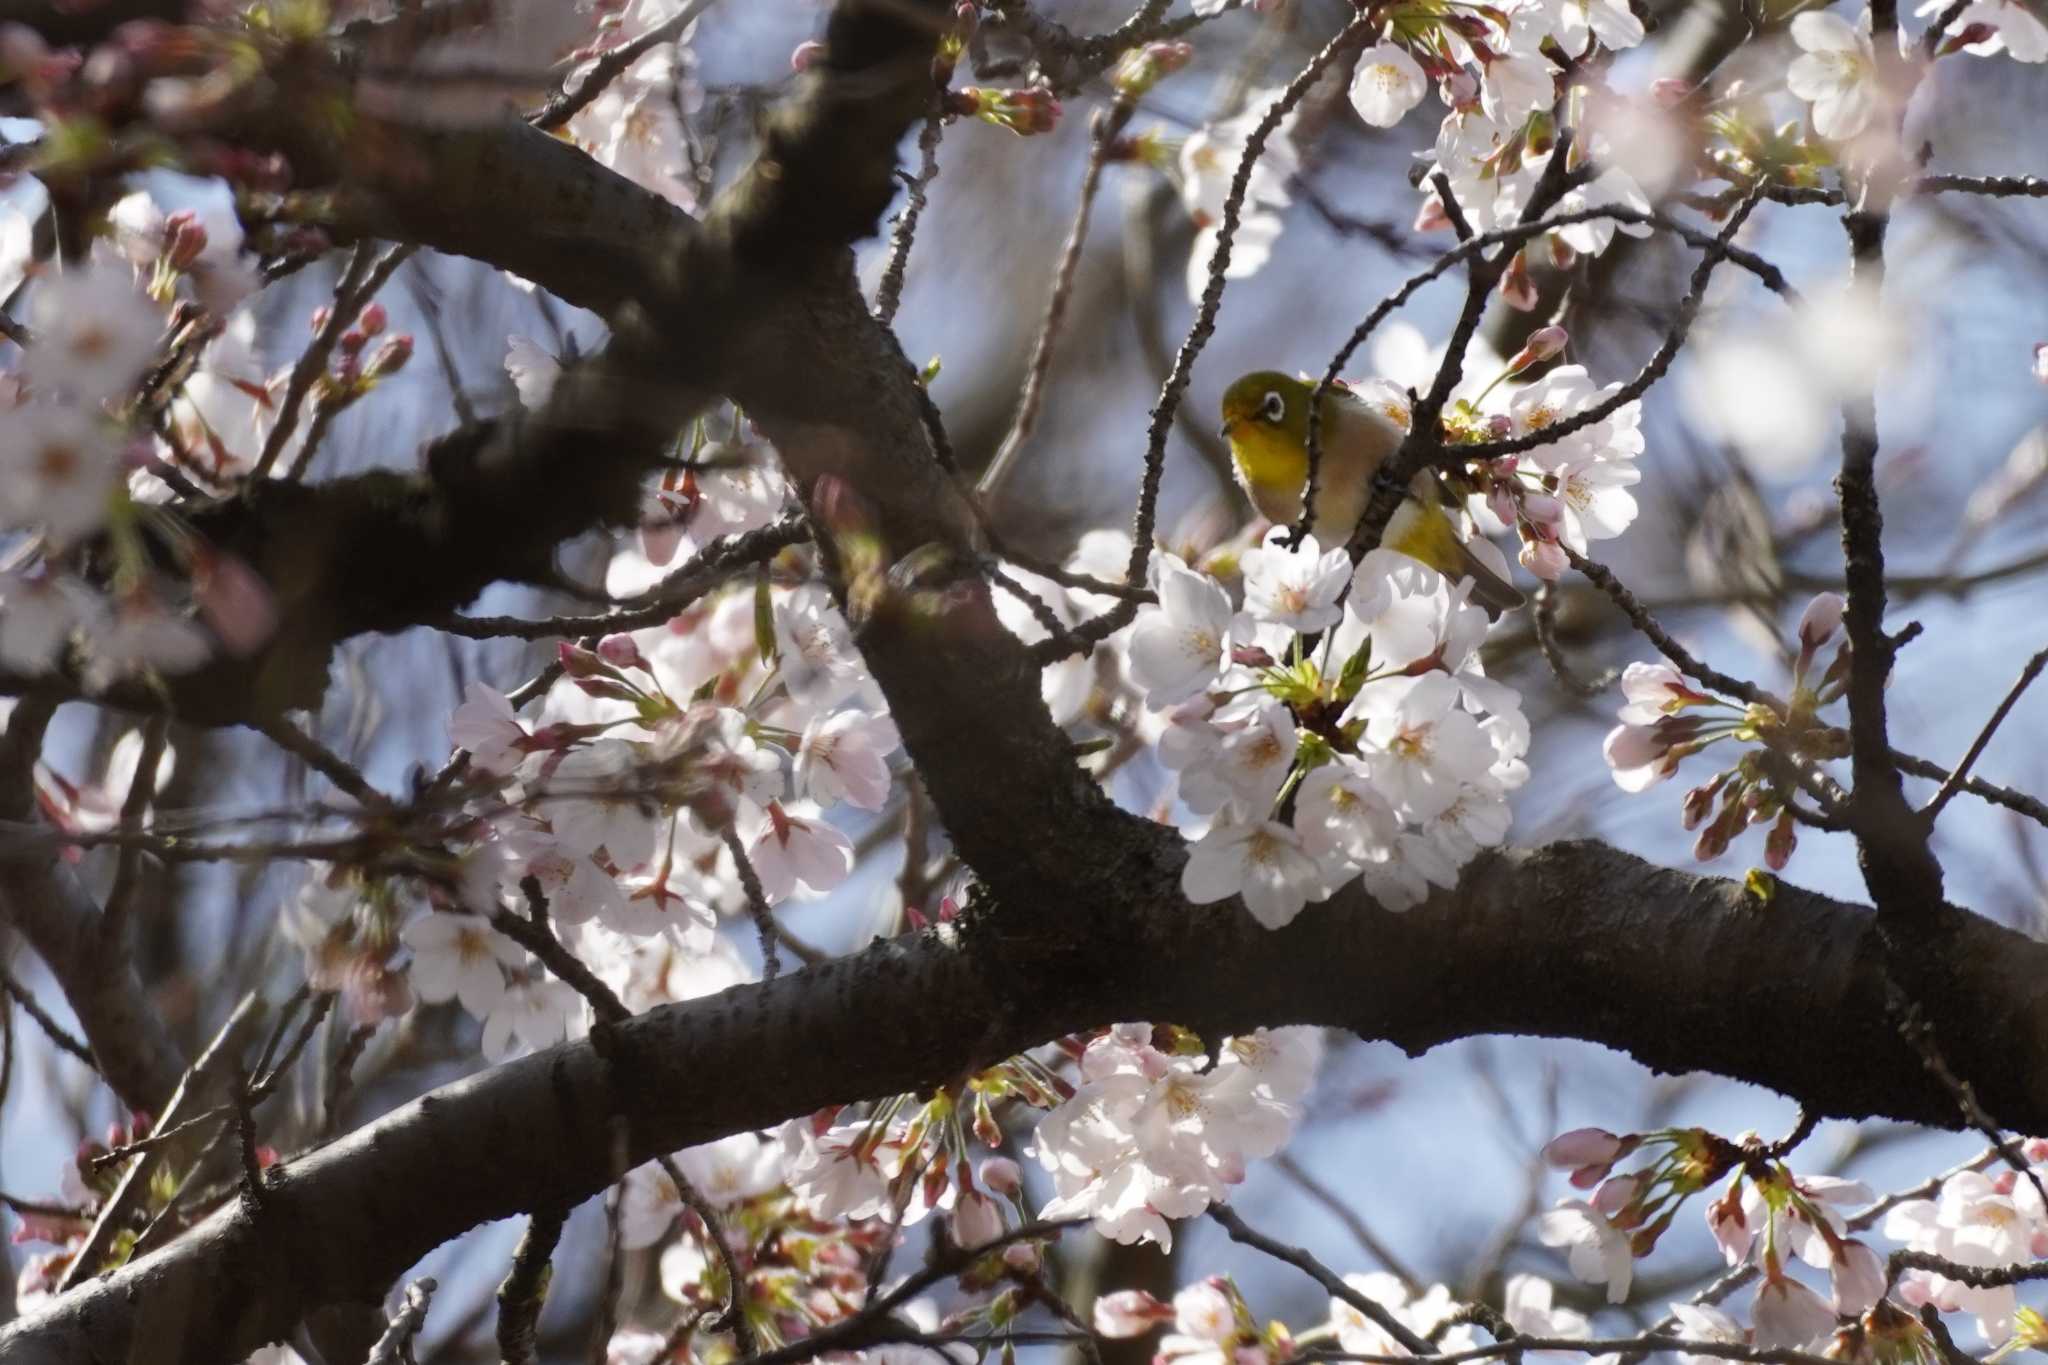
column 1265, row 419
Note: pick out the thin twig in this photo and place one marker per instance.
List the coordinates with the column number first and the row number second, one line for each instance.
column 757, row 902
column 1544, row 620
column 1107, row 125
column 1961, row 772
column 533, row 934
column 312, row 362
column 58, row 1034
column 394, row 1347
column 565, row 104
column 326, row 762
column 2030, row 806
column 1353, row 1223
column 128, row 867
column 1225, row 1217
column 1603, row 578
column 889, row 293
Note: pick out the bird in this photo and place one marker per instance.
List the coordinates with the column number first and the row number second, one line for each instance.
column 1265, row 420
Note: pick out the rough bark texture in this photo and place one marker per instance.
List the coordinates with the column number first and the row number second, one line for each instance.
column 1575, row 940
column 1080, row 922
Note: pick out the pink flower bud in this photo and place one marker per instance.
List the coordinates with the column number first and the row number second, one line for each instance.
column 21, row 48
column 1670, row 91
column 1822, row 618
column 1780, row 842
column 390, row 357
column 1545, row 512
column 1502, row 499
column 372, row 320
column 621, row 650
column 579, row 662
column 977, row 1219
column 234, row 600
column 1713, row 840
column 1545, row 559
column 1023, row 1257
column 1616, row 1194
column 318, row 322
column 1431, row 216
column 1583, row 1147
column 1699, row 802
column 806, row 55
column 1517, row 288
column 184, row 238
column 1129, row 1313
column 1546, row 343
column 1001, row 1175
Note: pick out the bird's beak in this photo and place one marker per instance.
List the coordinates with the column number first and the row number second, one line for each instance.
column 1229, row 425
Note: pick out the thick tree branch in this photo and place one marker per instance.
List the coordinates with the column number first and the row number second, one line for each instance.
column 1571, row 940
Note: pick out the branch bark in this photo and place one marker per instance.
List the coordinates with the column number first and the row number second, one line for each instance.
column 1575, row 940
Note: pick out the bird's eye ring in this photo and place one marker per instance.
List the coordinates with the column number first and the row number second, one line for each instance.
column 1275, row 406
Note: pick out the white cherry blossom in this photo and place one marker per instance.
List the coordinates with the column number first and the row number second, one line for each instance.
column 1178, row 648
column 1261, row 860
column 1836, row 73
column 1295, row 588
column 1386, row 84
column 845, row 757
column 790, row 850
column 460, row 957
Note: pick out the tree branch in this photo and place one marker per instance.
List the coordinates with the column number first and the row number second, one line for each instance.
column 1572, row 940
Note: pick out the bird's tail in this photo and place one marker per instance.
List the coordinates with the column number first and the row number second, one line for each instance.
column 1422, row 530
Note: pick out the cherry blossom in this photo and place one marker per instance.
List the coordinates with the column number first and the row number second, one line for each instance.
column 1386, row 84
column 845, row 757
column 37, row 615
column 460, row 957
column 1424, row 749
column 95, row 332
column 1598, row 1252
column 789, row 850
column 593, row 799
column 1208, row 162
column 2015, row 29
column 1836, row 73
column 485, row 725
column 531, row 1015
column 1788, row 1314
column 1178, row 649
column 1297, row 588
column 1424, row 1314
column 58, row 468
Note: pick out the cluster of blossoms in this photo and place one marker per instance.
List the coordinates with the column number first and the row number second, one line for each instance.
column 1666, row 720
column 65, row 452
column 741, row 721
column 1338, row 726
column 1514, row 78
column 801, row 1271
column 1767, row 1217
column 1213, row 1325
column 1564, row 493
column 1156, row 1132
